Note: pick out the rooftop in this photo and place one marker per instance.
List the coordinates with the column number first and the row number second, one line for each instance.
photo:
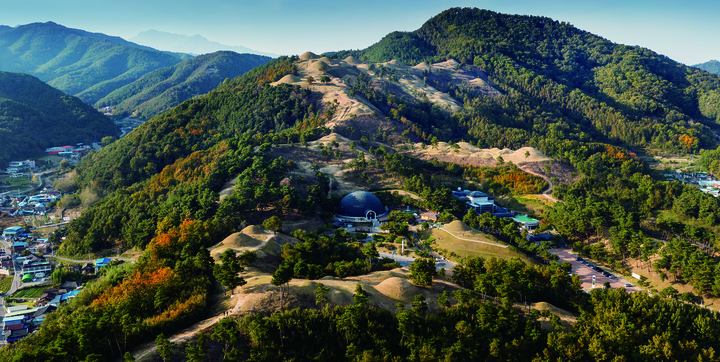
column 358, row 203
column 524, row 219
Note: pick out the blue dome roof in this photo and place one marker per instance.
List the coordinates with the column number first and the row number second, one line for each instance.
column 358, row 203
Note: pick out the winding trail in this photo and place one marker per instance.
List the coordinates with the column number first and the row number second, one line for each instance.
column 189, row 333
column 547, row 193
column 475, row 241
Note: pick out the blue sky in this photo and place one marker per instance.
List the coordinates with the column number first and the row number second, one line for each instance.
column 685, row 31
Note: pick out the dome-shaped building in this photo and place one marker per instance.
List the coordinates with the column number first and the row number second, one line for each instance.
column 360, row 206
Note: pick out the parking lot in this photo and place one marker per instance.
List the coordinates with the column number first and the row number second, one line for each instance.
column 586, row 273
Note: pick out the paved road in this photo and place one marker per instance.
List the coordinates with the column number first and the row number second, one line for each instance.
column 16, row 276
column 406, row 260
column 585, row 273
column 50, row 226
column 89, row 260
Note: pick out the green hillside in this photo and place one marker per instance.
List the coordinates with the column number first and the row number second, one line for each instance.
column 561, row 83
column 712, row 66
column 162, row 89
column 576, row 97
column 87, row 65
column 35, row 116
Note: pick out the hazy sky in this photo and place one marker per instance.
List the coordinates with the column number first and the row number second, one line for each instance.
column 685, row 31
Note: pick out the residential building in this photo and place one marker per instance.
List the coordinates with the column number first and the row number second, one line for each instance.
column 429, row 216
column 101, row 263
column 13, row 231
column 37, row 267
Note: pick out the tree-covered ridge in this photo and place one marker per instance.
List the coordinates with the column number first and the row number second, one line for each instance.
column 236, row 107
column 87, row 65
column 35, row 116
column 560, row 82
column 162, row 89
column 712, row 66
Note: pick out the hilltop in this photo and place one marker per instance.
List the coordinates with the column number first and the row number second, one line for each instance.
column 162, row 89
column 461, row 102
column 712, row 66
column 196, row 44
column 563, row 84
column 35, row 116
column 80, row 63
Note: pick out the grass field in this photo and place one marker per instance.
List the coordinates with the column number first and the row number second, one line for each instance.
column 533, row 205
column 5, row 284
column 455, row 249
column 32, row 292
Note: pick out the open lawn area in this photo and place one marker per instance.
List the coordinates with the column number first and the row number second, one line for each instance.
column 455, row 249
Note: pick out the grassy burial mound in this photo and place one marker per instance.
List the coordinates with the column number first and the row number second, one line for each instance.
column 459, row 241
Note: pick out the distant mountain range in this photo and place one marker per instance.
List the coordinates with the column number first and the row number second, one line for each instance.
column 35, row 116
column 165, row 88
column 80, row 63
column 195, row 44
column 712, row 66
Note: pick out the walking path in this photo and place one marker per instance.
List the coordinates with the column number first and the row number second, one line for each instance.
column 547, row 193
column 474, row 241
column 186, row 334
column 189, row 333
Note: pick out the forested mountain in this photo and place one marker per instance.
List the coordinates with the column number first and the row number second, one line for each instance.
column 35, row 116
column 196, row 44
column 577, row 97
column 562, row 83
column 87, row 65
column 165, row 88
column 712, row 66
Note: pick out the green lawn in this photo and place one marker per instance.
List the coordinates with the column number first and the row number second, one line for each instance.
column 456, row 249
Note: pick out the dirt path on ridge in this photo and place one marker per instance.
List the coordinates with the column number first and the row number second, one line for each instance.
column 548, row 192
column 189, row 333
